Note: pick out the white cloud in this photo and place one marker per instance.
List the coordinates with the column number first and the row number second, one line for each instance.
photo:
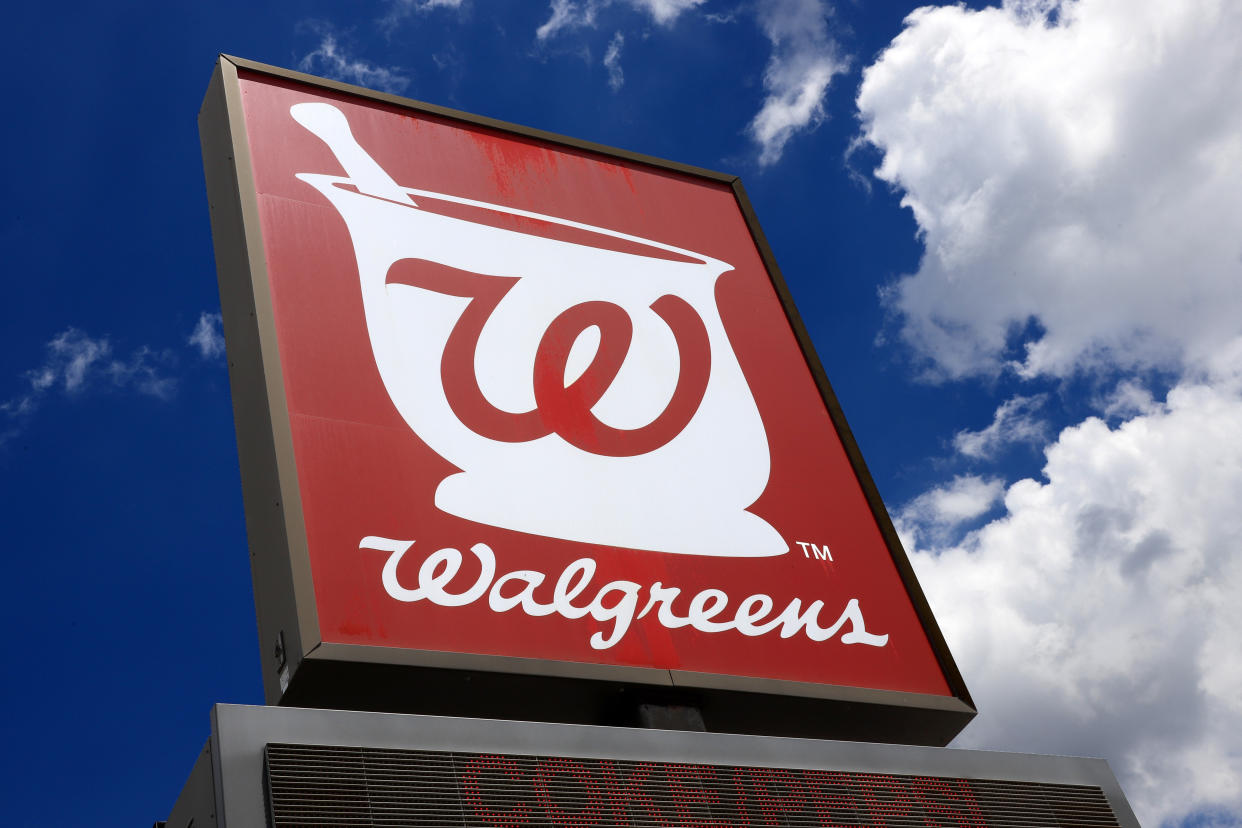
column 1099, row 616
column 567, row 14
column 75, row 360
column 665, row 11
column 1015, row 421
column 612, row 62
column 208, row 335
column 426, row 5
column 935, row 514
column 576, row 14
column 1073, row 168
column 1126, row 400
column 141, row 373
column 331, row 60
column 1072, row 163
column 401, row 9
column 71, row 356
column 803, row 62
column 74, row 363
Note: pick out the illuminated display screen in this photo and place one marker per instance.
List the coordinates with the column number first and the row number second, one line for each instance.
column 344, row 786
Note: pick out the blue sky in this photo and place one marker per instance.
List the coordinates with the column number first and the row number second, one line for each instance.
column 1013, row 232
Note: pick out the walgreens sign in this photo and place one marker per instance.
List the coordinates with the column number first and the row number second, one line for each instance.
column 532, row 399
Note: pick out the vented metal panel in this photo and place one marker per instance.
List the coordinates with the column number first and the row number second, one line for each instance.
column 343, row 786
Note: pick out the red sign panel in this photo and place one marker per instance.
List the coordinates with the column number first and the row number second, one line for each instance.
column 545, row 402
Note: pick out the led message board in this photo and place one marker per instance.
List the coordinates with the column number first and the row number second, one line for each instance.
column 346, row 785
column 510, row 403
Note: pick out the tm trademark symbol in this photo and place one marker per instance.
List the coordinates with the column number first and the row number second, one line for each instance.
column 820, row 553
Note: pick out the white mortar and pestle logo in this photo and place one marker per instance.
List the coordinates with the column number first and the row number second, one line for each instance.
column 586, row 389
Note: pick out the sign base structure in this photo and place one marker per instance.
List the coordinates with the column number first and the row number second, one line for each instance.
column 725, row 706
column 281, row 766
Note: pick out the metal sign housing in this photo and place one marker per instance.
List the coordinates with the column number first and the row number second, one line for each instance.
column 530, row 427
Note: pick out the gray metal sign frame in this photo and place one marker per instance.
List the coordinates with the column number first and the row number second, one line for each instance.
column 229, row 779
column 299, row 668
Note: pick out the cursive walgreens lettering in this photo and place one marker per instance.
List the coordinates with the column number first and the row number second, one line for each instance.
column 614, row 604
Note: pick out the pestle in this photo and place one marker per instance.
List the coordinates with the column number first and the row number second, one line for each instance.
column 328, row 124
